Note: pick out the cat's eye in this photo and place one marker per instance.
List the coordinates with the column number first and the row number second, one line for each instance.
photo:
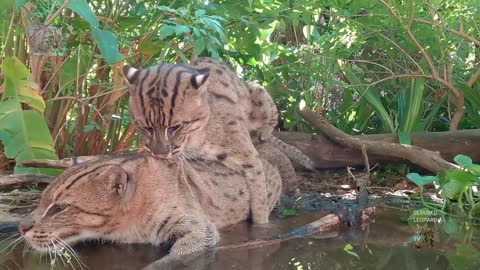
column 55, row 209
column 174, row 128
column 148, row 130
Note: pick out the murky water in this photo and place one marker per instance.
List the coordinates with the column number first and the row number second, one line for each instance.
column 383, row 244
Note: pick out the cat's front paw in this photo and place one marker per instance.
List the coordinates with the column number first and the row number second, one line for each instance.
column 264, row 133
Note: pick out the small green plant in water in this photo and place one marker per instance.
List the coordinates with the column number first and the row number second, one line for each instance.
column 349, row 249
column 460, row 185
column 289, row 212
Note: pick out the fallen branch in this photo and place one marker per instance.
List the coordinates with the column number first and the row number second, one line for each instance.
column 19, row 180
column 319, row 225
column 46, row 163
column 57, row 164
column 429, row 160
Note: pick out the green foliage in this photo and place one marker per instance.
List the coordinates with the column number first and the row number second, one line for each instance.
column 105, row 40
column 372, row 97
column 193, row 28
column 460, row 185
column 366, row 66
column 23, row 133
column 465, row 257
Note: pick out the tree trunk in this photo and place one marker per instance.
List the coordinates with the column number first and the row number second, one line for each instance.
column 328, row 154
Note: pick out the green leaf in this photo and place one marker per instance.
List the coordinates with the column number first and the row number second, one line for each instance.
column 474, row 168
column 82, row 8
column 452, row 189
column 107, row 44
column 8, row 106
column 450, row 226
column 421, row 180
column 19, row 86
column 149, row 47
column 7, row 5
column 251, row 62
column 36, row 153
column 199, row 12
column 433, row 112
column 413, row 106
column 349, row 249
column 76, row 63
column 29, row 94
column 24, row 134
column 289, row 212
column 166, row 31
column 167, row 9
column 19, row 4
column 454, row 182
column 460, row 176
column 372, row 97
column 404, row 138
column 462, row 160
column 465, row 257
column 27, row 129
column 29, row 137
column 88, row 128
column 180, row 29
column 16, row 73
column 199, row 46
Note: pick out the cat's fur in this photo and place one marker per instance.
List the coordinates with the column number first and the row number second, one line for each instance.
column 143, row 200
column 204, row 110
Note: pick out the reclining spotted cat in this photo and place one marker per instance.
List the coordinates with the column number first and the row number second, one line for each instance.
column 143, row 200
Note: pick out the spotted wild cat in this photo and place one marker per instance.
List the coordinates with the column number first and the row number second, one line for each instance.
column 143, row 200
column 203, row 110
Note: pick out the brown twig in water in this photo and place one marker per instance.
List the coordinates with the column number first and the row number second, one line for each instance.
column 319, row 225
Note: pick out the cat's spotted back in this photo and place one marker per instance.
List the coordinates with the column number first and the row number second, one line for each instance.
column 202, row 111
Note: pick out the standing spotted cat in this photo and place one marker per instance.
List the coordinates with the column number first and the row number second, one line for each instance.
column 204, row 110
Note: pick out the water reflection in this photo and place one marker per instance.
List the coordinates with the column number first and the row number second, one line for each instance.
column 383, row 244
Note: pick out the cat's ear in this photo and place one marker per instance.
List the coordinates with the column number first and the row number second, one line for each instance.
column 199, row 81
column 130, row 74
column 118, row 180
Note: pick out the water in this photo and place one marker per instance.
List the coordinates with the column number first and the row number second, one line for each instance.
column 383, row 244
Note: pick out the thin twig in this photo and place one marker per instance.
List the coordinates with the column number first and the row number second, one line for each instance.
column 458, row 33
column 49, row 20
column 365, row 160
column 474, row 78
column 403, row 51
column 429, row 61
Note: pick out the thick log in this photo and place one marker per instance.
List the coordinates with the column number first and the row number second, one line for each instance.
column 21, row 180
column 45, row 163
column 328, row 154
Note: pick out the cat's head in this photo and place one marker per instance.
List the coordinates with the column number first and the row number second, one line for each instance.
column 83, row 203
column 168, row 103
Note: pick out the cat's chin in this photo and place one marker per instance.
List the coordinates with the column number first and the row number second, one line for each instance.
column 56, row 242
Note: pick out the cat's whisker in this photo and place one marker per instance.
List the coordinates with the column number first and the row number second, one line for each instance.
column 10, row 247
column 59, row 252
column 73, row 253
column 9, row 238
column 50, row 257
column 26, row 248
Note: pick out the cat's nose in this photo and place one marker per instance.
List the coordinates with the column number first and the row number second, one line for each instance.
column 23, row 229
column 25, row 225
